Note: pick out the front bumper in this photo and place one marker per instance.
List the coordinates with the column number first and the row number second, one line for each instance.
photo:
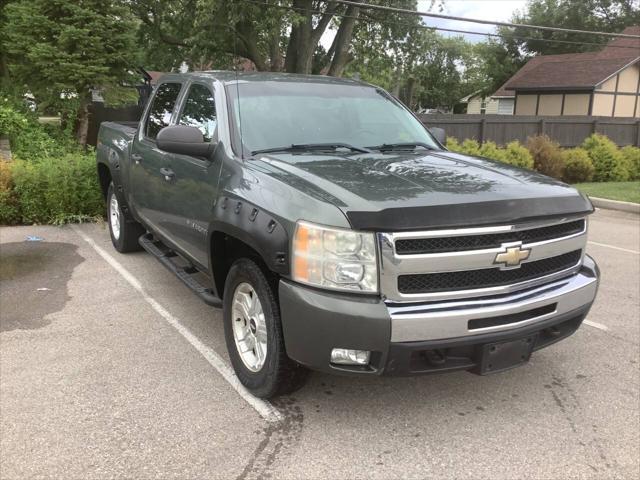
column 409, row 339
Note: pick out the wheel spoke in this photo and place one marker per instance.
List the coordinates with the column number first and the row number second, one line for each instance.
column 261, row 331
column 242, row 302
column 259, row 353
column 247, row 344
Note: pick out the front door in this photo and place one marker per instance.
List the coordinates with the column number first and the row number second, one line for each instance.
column 195, row 180
column 150, row 188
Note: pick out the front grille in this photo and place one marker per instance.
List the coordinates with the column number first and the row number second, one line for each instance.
column 488, row 277
column 492, row 240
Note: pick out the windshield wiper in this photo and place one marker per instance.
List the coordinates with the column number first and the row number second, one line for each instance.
column 387, row 147
column 311, row 147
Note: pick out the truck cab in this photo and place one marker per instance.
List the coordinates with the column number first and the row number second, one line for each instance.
column 338, row 234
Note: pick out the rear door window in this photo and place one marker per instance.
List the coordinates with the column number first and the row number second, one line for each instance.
column 200, row 111
column 161, row 109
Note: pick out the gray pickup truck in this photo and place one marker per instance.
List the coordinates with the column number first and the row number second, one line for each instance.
column 338, row 234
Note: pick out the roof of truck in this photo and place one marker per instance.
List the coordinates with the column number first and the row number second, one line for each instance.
column 227, row 76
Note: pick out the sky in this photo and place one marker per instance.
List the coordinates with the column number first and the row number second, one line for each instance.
column 497, row 10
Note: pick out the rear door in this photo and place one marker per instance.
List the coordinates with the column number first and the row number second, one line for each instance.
column 150, row 188
column 195, row 180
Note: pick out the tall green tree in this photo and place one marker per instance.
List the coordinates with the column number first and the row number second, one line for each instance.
column 64, row 48
column 596, row 15
column 491, row 64
column 276, row 35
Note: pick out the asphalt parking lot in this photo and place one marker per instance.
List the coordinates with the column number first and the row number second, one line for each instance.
column 110, row 367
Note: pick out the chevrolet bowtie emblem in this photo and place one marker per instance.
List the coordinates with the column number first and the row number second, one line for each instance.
column 512, row 256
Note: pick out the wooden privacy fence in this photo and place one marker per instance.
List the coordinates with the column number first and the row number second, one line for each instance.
column 567, row 131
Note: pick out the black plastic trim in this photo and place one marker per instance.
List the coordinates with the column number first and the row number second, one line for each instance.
column 466, row 214
column 477, row 323
column 257, row 228
column 550, row 331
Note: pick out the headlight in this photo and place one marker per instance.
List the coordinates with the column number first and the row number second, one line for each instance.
column 334, row 258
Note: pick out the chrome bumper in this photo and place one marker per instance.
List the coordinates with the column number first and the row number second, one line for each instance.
column 450, row 319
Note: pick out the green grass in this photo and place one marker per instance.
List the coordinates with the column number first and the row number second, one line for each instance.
column 623, row 191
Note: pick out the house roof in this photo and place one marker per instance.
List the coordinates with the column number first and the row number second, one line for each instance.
column 469, row 97
column 579, row 71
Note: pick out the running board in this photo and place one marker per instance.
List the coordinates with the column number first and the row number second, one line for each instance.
column 185, row 274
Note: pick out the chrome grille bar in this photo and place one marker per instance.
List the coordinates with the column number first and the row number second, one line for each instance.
column 393, row 265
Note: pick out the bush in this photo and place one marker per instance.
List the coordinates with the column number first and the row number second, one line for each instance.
column 609, row 164
column 516, row 154
column 29, row 139
column 631, row 156
column 453, row 145
column 470, row 147
column 9, row 211
column 547, row 156
column 577, row 166
column 491, row 150
column 57, row 189
column 513, row 153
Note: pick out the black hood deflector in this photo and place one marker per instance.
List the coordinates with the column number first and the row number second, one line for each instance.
column 499, row 212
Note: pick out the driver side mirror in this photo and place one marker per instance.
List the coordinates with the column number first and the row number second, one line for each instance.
column 184, row 140
column 439, row 134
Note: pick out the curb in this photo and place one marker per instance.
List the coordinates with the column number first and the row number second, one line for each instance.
column 615, row 205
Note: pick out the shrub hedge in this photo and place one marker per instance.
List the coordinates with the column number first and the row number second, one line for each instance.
column 631, row 156
column 610, row 165
column 50, row 180
column 547, row 155
column 597, row 159
column 578, row 166
column 50, row 190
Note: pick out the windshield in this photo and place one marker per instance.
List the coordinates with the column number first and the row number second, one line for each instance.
column 276, row 114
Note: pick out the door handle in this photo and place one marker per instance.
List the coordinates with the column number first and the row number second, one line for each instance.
column 136, row 158
column 167, row 173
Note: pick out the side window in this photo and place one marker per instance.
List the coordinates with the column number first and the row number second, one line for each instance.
column 200, row 111
column 160, row 112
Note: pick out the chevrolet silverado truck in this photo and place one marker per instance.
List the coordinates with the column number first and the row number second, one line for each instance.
column 338, row 234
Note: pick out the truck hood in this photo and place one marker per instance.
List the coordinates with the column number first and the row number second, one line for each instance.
column 436, row 189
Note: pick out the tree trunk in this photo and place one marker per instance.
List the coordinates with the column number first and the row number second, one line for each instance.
column 247, row 47
column 343, row 41
column 82, row 121
column 304, row 38
column 275, row 56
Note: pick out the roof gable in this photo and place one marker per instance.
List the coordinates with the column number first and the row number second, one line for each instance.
column 575, row 70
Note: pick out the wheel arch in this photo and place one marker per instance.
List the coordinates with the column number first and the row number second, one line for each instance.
column 104, row 178
column 246, row 231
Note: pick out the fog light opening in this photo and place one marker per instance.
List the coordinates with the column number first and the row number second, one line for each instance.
column 344, row 356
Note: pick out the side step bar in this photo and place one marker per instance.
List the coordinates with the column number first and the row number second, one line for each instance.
column 185, row 274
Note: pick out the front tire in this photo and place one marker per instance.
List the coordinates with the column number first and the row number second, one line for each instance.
column 124, row 233
column 253, row 333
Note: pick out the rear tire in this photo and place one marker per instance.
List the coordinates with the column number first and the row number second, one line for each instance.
column 253, row 333
column 124, row 233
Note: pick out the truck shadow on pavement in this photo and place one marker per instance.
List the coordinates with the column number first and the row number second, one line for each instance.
column 34, row 278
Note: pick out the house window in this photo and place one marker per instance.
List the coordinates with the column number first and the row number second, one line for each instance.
column 505, row 106
column 483, row 106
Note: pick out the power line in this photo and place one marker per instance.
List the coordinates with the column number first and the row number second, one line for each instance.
column 477, row 20
column 442, row 29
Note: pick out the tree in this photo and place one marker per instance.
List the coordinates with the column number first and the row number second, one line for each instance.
column 596, row 15
column 67, row 47
column 492, row 63
column 276, row 35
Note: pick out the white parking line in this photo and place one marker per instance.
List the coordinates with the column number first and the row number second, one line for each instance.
column 615, row 248
column 596, row 325
column 265, row 409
